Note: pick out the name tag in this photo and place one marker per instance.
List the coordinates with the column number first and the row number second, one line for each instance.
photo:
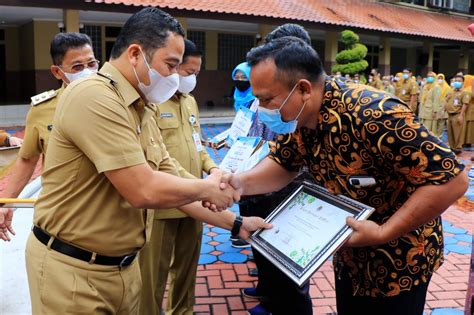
column 197, row 141
column 166, row 115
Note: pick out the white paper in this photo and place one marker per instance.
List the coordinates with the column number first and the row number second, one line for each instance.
column 305, row 227
column 255, row 158
column 241, row 125
column 238, row 153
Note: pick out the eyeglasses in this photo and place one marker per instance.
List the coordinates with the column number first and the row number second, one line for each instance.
column 78, row 67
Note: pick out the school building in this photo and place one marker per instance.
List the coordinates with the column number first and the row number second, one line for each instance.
column 421, row 34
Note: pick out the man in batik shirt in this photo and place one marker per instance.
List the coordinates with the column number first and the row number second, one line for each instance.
column 342, row 131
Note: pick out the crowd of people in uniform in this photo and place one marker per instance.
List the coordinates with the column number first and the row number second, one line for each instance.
column 123, row 195
column 440, row 106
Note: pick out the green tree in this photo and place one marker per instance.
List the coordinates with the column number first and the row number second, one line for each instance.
column 351, row 59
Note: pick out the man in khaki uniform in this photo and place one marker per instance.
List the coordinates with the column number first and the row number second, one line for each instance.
column 407, row 90
column 6, row 140
column 72, row 57
column 431, row 104
column 374, row 79
column 176, row 238
column 90, row 220
column 457, row 102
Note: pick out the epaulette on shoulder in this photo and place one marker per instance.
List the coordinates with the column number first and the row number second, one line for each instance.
column 106, row 76
column 43, row 97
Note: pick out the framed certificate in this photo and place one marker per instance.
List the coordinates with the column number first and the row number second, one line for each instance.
column 308, row 227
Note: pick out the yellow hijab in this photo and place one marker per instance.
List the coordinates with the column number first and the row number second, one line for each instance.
column 445, row 88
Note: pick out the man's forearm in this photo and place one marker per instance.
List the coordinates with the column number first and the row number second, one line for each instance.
column 426, row 203
column 21, row 174
column 267, row 176
column 224, row 219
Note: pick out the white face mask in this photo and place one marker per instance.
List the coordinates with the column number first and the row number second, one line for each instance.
column 161, row 88
column 187, row 83
column 440, row 81
column 74, row 76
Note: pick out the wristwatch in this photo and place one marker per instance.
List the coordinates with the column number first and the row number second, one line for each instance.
column 236, row 227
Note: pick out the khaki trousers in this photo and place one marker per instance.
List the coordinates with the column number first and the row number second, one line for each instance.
column 60, row 284
column 173, row 252
column 454, row 132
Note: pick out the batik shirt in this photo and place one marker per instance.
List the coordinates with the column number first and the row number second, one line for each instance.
column 363, row 131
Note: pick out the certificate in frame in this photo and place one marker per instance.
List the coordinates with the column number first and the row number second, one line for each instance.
column 308, row 227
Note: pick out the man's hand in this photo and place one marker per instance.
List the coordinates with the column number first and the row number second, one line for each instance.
column 365, row 233
column 251, row 224
column 233, row 180
column 6, row 217
column 460, row 119
column 219, row 199
column 14, row 141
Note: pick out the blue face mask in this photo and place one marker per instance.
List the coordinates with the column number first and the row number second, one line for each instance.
column 430, row 79
column 457, row 85
column 405, row 76
column 272, row 117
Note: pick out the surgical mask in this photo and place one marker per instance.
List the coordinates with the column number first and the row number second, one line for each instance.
column 405, row 76
column 272, row 117
column 356, row 81
column 430, row 79
column 74, row 76
column 440, row 81
column 187, row 83
column 370, row 80
column 161, row 88
column 457, row 85
column 242, row 85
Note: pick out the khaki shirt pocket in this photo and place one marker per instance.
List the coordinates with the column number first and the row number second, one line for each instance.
column 154, row 156
column 169, row 130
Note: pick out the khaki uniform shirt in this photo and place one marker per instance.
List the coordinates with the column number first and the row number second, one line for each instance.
column 101, row 124
column 455, row 99
column 178, row 120
column 39, row 123
column 3, row 136
column 431, row 101
column 407, row 88
column 377, row 83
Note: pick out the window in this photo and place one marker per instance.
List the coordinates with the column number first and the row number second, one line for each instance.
column 372, row 56
column 111, row 34
column 232, row 49
column 95, row 33
column 199, row 38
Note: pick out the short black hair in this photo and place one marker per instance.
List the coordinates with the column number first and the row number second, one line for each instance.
column 459, row 76
column 407, row 69
column 289, row 29
column 62, row 42
column 190, row 50
column 150, row 28
column 293, row 57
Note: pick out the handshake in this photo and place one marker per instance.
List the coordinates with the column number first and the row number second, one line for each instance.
column 222, row 190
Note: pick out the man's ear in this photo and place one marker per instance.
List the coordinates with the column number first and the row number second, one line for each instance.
column 56, row 72
column 305, row 88
column 133, row 54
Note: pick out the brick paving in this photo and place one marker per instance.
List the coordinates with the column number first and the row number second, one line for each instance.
column 223, row 270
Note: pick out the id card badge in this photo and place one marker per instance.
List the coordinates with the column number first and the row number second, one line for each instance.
column 456, row 101
column 404, row 92
column 197, row 141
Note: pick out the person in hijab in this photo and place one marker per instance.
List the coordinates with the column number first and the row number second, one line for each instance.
column 430, row 103
column 243, row 91
column 467, row 132
column 387, row 85
column 445, row 89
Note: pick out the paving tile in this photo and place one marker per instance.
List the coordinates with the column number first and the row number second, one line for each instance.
column 233, row 258
column 205, row 259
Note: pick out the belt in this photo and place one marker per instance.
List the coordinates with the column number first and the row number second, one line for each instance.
column 81, row 254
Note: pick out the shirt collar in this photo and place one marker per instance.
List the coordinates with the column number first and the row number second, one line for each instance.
column 128, row 92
